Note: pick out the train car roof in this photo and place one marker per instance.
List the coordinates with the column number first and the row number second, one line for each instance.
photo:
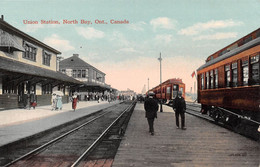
column 169, row 81
column 233, row 52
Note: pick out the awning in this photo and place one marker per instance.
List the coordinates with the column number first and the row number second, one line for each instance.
column 11, row 65
column 97, row 85
column 8, row 41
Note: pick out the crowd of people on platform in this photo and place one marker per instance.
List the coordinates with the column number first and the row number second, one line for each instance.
column 30, row 100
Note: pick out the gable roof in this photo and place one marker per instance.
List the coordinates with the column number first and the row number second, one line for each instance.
column 75, row 62
column 11, row 29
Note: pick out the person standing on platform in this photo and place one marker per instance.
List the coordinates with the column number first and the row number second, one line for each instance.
column 151, row 107
column 179, row 107
column 59, row 102
column 25, row 99
column 74, row 102
column 33, row 100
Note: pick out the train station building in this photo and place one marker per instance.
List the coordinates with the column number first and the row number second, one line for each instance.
column 28, row 65
column 93, row 78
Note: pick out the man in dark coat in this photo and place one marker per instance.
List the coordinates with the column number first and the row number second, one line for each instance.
column 25, row 99
column 151, row 108
column 33, row 100
column 180, row 107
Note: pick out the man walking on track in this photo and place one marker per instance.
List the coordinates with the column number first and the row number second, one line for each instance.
column 151, row 108
column 180, row 107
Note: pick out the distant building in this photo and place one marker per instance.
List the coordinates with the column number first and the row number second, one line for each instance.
column 26, row 65
column 93, row 78
column 127, row 93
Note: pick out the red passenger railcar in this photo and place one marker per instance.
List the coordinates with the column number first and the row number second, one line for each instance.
column 167, row 91
column 229, row 82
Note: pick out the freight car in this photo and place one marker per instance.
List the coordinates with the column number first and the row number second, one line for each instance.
column 229, row 83
column 167, row 91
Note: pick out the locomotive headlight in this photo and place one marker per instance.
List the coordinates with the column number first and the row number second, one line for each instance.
column 259, row 128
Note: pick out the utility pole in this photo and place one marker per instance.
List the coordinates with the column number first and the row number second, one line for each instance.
column 148, row 84
column 160, row 59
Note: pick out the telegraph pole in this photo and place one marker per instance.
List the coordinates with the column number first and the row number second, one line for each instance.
column 148, row 84
column 160, row 59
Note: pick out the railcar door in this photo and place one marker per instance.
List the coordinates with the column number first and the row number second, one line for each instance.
column 175, row 90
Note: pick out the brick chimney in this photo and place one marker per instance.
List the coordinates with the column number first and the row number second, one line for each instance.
column 76, row 55
column 2, row 17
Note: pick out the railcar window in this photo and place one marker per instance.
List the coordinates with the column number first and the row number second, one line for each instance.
column 247, row 39
column 211, row 79
column 181, row 89
column 216, row 78
column 202, row 81
column 168, row 90
column 255, row 69
column 258, row 34
column 245, row 72
column 234, row 74
column 207, row 80
column 227, row 75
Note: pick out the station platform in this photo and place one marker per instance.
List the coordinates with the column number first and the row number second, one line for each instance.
column 17, row 124
column 201, row 144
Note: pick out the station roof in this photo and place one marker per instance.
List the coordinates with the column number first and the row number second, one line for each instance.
column 11, row 65
column 11, row 29
column 76, row 62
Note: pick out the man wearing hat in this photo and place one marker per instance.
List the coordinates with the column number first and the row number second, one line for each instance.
column 180, row 108
column 151, row 108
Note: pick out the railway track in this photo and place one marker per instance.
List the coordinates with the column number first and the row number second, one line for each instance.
column 75, row 145
column 245, row 128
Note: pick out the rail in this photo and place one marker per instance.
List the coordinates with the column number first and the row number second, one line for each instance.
column 100, row 137
column 46, row 145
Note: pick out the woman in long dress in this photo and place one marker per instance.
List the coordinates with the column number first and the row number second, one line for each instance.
column 74, row 102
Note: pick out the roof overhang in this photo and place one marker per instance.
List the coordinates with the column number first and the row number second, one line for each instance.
column 11, row 65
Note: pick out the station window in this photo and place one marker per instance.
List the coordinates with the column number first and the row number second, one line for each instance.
column 94, row 74
column 47, row 89
column 245, row 72
column 79, row 74
column 8, row 85
column 202, row 81
column 30, row 51
column 227, row 75
column 46, row 58
column 211, row 79
column 234, row 74
column 255, row 68
column 216, row 78
column 83, row 73
column 74, row 73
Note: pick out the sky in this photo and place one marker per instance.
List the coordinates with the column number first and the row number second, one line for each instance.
column 184, row 32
